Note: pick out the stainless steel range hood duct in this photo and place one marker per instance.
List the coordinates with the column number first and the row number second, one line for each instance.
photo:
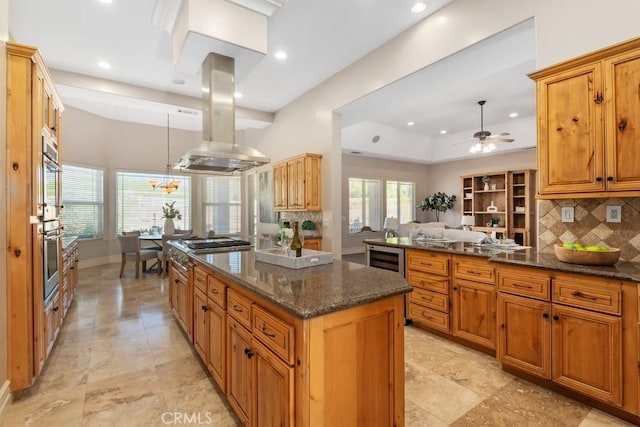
column 218, row 152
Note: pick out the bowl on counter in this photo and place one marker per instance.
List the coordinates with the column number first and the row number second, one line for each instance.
column 575, row 256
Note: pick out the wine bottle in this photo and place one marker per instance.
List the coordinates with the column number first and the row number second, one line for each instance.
column 296, row 243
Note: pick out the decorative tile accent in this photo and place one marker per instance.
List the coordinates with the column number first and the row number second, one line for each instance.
column 590, row 226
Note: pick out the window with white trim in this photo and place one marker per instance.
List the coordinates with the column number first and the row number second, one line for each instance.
column 222, row 204
column 400, row 196
column 83, row 201
column 365, row 204
column 139, row 205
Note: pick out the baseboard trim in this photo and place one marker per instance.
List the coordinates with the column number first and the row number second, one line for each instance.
column 5, row 400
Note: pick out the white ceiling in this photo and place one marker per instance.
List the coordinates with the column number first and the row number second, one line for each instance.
column 320, row 37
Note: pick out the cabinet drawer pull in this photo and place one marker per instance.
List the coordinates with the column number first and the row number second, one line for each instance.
column 264, row 331
column 236, row 308
column 426, row 298
column 476, row 273
column 428, row 264
column 585, row 296
column 214, row 291
column 517, row 285
column 426, row 316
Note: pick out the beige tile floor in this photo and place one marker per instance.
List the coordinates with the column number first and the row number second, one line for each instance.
column 121, row 360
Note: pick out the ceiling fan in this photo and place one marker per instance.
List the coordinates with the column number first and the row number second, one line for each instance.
column 484, row 139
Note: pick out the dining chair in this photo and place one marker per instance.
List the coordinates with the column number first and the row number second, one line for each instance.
column 163, row 255
column 131, row 233
column 132, row 251
column 188, row 231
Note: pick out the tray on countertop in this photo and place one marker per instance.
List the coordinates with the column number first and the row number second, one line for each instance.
column 309, row 258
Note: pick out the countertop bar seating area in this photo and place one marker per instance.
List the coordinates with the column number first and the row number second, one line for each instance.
column 231, row 268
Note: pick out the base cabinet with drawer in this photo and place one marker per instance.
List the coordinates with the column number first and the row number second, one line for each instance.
column 281, row 370
column 570, row 329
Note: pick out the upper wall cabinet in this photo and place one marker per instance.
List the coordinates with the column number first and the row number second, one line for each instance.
column 588, row 113
column 297, row 183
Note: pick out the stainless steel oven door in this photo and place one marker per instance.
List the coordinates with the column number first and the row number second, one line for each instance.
column 386, row 257
column 51, row 256
column 50, row 189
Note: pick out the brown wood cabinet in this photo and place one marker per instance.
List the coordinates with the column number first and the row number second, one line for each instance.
column 588, row 112
column 31, row 327
column 297, row 183
column 278, row 369
column 573, row 330
column 313, row 243
column 181, row 297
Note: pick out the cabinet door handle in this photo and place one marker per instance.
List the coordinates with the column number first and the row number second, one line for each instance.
column 598, row 178
column 585, row 296
column 56, row 308
column 517, row 285
column 248, row 352
column 264, row 331
column 598, row 98
column 205, row 308
column 556, row 317
column 455, row 288
column 236, row 308
column 545, row 315
column 609, row 178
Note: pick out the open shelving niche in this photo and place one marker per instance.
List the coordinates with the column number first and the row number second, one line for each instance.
column 512, row 193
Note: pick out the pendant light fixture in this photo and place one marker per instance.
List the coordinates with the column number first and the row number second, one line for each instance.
column 168, row 184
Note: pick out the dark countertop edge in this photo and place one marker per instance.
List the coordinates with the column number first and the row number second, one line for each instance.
column 587, row 270
column 68, row 241
column 295, row 311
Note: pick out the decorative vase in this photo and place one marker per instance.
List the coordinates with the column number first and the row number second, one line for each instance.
column 169, row 227
column 486, row 186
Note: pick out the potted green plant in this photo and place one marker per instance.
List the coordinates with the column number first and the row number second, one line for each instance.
column 495, row 221
column 439, row 202
column 169, row 212
column 308, row 228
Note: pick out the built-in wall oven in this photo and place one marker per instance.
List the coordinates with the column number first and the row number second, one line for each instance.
column 50, row 190
column 52, row 233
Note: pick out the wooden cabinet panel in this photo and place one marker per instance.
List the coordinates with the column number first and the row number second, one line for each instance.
column 276, row 334
column 474, row 268
column 314, row 244
column 430, row 299
column 280, row 187
column 523, row 282
column 239, row 307
column 428, row 282
column 273, row 389
column 587, row 355
column 570, row 156
column 184, row 302
column 216, row 354
column 217, row 289
column 524, row 328
column 200, row 324
column 298, row 183
column 599, row 294
column 239, row 370
column 427, row 262
column 200, row 279
column 622, row 74
column 421, row 315
column 474, row 312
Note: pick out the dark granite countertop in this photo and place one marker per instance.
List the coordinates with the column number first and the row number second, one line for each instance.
column 308, row 292
column 67, row 241
column 623, row 270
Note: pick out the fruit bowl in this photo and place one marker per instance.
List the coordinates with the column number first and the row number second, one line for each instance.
column 584, row 257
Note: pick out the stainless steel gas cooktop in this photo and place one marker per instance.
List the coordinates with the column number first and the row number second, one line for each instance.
column 215, row 244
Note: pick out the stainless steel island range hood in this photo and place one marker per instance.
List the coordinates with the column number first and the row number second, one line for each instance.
column 218, row 152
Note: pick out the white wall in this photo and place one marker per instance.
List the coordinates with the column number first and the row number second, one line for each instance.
column 94, row 141
column 308, row 124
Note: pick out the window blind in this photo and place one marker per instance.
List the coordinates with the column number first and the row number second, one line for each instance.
column 83, row 201
column 222, row 202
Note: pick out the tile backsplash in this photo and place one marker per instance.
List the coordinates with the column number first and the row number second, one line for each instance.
column 301, row 216
column 590, row 226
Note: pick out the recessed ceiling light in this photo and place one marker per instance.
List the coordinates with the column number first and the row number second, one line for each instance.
column 178, row 81
column 237, row 95
column 356, row 152
column 443, row 131
column 281, row 54
column 418, row 7
column 513, row 115
column 104, row 65
column 410, row 123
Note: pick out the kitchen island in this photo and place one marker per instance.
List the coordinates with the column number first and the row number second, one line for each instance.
column 315, row 346
column 572, row 328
